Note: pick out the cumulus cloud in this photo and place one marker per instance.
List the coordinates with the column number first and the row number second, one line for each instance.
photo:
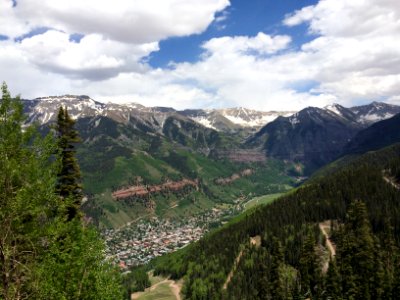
column 93, row 57
column 10, row 24
column 353, row 55
column 260, row 44
column 139, row 21
column 353, row 58
column 117, row 36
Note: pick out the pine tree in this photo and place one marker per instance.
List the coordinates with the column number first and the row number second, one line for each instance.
column 309, row 269
column 69, row 177
column 356, row 254
column 277, row 263
column 41, row 255
column 333, row 284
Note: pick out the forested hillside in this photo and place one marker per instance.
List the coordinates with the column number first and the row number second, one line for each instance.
column 378, row 135
column 362, row 204
column 115, row 155
column 47, row 250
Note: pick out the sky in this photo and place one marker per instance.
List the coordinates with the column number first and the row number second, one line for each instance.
column 259, row 54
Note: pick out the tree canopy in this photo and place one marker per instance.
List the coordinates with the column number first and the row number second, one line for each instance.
column 41, row 255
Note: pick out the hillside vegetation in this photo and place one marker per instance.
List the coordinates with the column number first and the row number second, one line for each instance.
column 109, row 170
column 47, row 250
column 365, row 213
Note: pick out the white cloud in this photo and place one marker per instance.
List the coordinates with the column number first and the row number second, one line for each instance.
column 354, row 18
column 261, row 44
column 140, row 21
column 349, row 60
column 353, row 55
column 303, row 15
column 10, row 24
column 92, row 58
column 117, row 35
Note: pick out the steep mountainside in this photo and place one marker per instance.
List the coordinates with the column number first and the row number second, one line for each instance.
column 232, row 119
column 376, row 136
column 293, row 259
column 317, row 136
column 44, row 109
column 127, row 145
column 374, row 112
column 132, row 147
column 312, row 136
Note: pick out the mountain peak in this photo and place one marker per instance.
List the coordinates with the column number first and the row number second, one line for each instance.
column 375, row 111
column 335, row 108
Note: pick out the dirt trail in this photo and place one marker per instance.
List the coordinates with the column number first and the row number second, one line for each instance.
column 237, row 260
column 256, row 241
column 174, row 286
column 391, row 181
column 323, row 226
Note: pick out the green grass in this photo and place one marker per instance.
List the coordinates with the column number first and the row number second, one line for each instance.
column 161, row 292
column 155, row 279
column 267, row 199
column 268, row 178
column 150, row 169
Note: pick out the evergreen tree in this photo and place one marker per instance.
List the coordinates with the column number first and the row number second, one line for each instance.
column 277, row 263
column 41, row 255
column 309, row 269
column 356, row 254
column 69, row 177
column 333, row 290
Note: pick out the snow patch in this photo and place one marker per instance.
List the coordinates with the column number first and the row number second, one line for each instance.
column 371, row 117
column 333, row 108
column 294, row 120
column 205, row 122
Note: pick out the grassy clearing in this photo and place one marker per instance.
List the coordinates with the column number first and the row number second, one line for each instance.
column 161, row 292
column 161, row 288
column 155, row 279
column 267, row 199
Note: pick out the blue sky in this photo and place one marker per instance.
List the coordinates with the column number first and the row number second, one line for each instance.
column 260, row 54
column 243, row 18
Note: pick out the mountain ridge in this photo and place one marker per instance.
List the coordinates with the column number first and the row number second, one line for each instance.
column 316, row 136
column 83, row 105
column 312, row 136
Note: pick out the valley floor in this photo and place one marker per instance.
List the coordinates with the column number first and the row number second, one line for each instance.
column 139, row 242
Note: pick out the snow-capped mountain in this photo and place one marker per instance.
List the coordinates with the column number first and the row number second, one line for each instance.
column 252, row 118
column 316, row 136
column 374, row 112
column 45, row 109
column 366, row 114
column 233, row 118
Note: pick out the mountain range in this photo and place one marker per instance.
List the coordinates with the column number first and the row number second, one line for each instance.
column 130, row 144
column 44, row 109
column 315, row 136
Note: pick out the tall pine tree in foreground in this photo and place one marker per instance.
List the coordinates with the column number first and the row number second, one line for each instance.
column 69, row 177
column 41, row 255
